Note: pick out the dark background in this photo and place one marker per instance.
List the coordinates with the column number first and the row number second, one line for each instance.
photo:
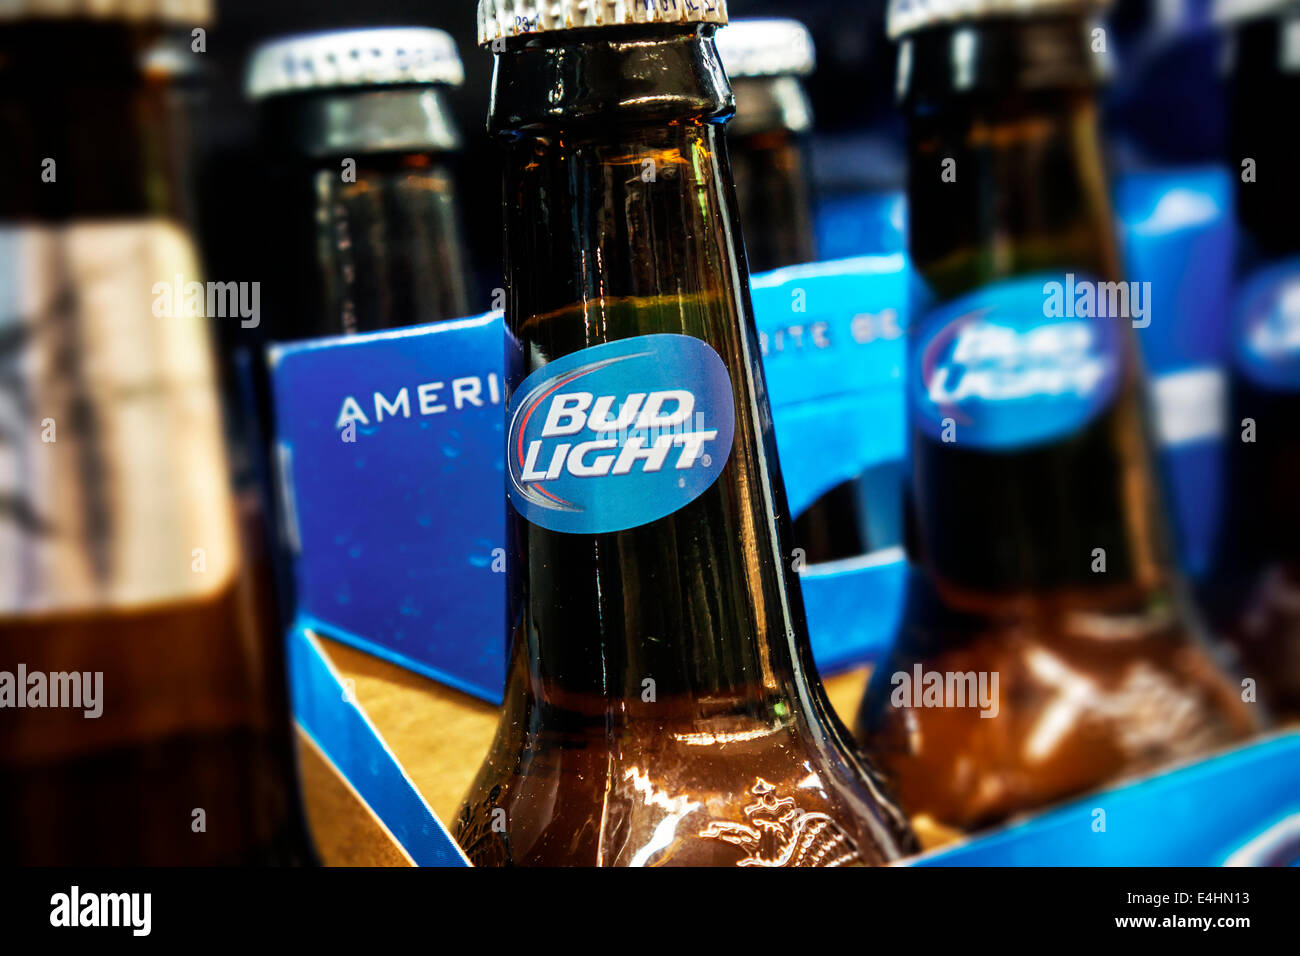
column 851, row 91
column 1163, row 104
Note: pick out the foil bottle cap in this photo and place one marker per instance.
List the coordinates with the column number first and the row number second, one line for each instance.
column 908, row 16
column 349, row 58
column 764, row 47
column 499, row 19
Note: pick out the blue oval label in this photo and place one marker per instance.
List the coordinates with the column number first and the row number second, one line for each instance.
column 618, row 435
column 1266, row 336
column 1007, row 366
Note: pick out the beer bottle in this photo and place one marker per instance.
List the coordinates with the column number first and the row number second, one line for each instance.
column 1253, row 591
column 1046, row 647
column 360, row 207
column 142, row 705
column 661, row 705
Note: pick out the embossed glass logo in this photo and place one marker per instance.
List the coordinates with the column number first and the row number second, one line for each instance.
column 998, row 370
column 619, row 435
column 777, row 832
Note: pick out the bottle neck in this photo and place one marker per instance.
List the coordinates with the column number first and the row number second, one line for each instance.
column 365, row 213
column 620, row 222
column 770, row 104
column 1006, row 110
column 997, row 58
column 1007, row 192
column 595, row 208
column 326, row 125
column 769, row 164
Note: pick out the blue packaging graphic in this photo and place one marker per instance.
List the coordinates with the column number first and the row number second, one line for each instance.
column 390, row 459
column 1196, row 815
column 1177, row 234
column 391, row 453
column 858, row 223
column 340, row 730
column 833, row 337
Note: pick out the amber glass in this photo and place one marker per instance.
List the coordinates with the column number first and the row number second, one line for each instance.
column 190, row 761
column 1101, row 675
column 734, row 756
column 1253, row 589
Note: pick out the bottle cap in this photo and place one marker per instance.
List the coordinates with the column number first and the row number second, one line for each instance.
column 509, row 18
column 766, row 48
column 908, row 16
column 347, row 58
column 1239, row 11
column 189, row 12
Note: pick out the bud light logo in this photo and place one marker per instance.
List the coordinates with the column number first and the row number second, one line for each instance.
column 998, row 370
column 1267, row 338
column 620, row 434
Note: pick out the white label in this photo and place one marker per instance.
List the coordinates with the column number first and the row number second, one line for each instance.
column 1190, row 406
column 130, row 503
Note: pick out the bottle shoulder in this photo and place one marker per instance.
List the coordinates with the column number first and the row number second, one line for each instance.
column 1046, row 714
column 720, row 792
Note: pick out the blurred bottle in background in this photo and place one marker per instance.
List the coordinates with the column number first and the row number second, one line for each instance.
column 1253, row 591
column 1046, row 646
column 857, row 154
column 358, row 219
column 144, row 717
column 766, row 138
column 361, row 216
column 1164, row 103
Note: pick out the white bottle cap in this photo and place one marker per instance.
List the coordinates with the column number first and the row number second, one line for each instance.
column 344, row 58
column 766, row 48
column 908, row 16
column 509, row 18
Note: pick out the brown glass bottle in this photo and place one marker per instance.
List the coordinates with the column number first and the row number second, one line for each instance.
column 1042, row 564
column 1253, row 589
column 661, row 706
column 360, row 205
column 121, row 553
